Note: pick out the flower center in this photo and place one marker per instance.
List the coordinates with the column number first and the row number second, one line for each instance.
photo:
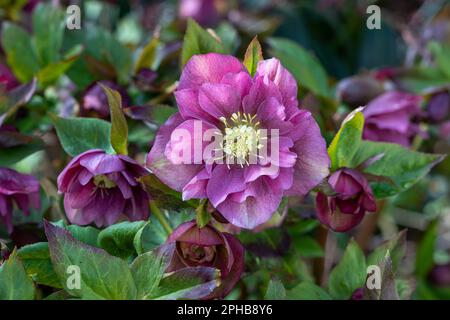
column 198, row 254
column 103, row 182
column 242, row 137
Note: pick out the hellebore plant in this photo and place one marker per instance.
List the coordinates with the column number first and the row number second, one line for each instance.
column 18, row 188
column 99, row 187
column 218, row 92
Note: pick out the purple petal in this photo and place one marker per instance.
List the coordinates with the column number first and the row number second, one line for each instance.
column 208, row 68
column 313, row 162
column 224, row 181
column 219, row 100
column 175, row 176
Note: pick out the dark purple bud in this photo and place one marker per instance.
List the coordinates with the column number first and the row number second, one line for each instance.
column 94, row 98
column 438, row 107
column 18, row 188
column 347, row 208
column 357, row 91
column 208, row 247
column 7, row 79
column 440, row 275
column 95, row 180
column 358, row 294
column 144, row 79
column 203, row 11
column 389, row 118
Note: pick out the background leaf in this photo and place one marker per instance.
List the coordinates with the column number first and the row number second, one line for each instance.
column 119, row 126
column 78, row 135
column 349, row 274
column 102, row 275
column 198, row 41
column 14, row 281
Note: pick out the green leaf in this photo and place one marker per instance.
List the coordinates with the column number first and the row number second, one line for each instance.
column 18, row 145
column 78, row 135
column 396, row 247
column 48, row 31
column 148, row 55
column 37, row 263
column 187, row 283
column 119, row 126
column 252, row 56
column 19, row 51
column 307, row 291
column 308, row 247
column 87, row 234
column 425, row 251
column 349, row 274
column 304, row 66
column 50, row 73
column 102, row 276
column 202, row 215
column 14, row 281
column 275, row 290
column 118, row 238
column 148, row 269
column 198, row 41
column 402, row 166
column 441, row 53
column 346, row 142
column 163, row 196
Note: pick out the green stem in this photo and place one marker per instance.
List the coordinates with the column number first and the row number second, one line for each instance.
column 160, row 216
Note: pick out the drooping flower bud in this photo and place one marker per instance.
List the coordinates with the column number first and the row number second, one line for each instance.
column 208, row 247
column 347, row 208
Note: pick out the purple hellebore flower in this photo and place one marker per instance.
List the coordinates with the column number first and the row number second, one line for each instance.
column 218, row 91
column 100, row 187
column 207, row 247
column 388, row 118
column 94, row 98
column 7, row 79
column 203, row 11
column 23, row 189
column 346, row 209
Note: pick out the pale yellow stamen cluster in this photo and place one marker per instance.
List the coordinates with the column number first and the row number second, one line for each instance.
column 103, row 181
column 242, row 137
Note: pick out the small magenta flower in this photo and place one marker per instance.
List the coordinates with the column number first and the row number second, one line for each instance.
column 94, row 98
column 205, row 12
column 207, row 247
column 23, row 189
column 389, row 118
column 347, row 208
column 217, row 91
column 100, row 188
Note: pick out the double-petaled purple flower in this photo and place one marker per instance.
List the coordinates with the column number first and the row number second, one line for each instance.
column 348, row 206
column 207, row 247
column 100, row 188
column 389, row 118
column 23, row 189
column 217, row 91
